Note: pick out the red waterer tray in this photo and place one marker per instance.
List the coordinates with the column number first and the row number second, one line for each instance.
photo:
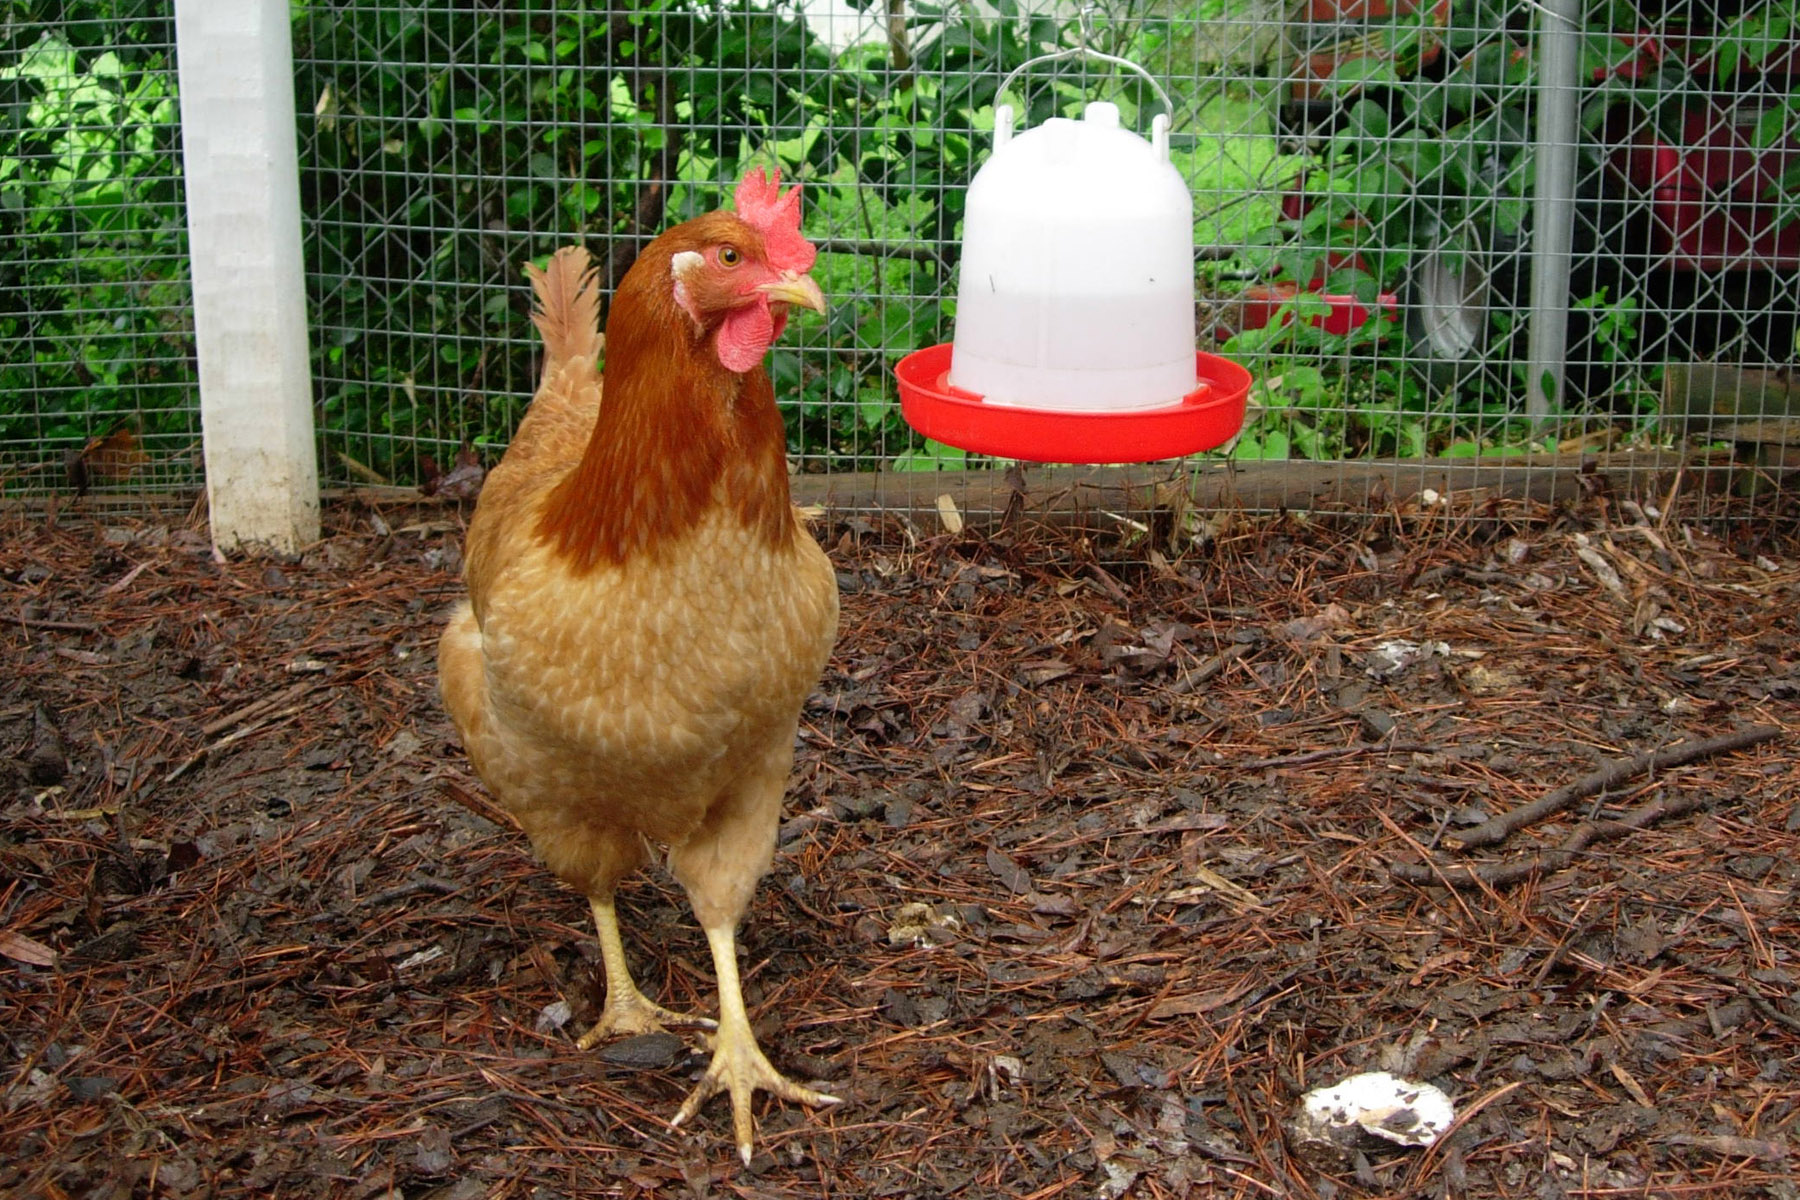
column 1208, row 416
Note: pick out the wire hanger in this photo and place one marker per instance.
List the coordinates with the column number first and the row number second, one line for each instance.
column 1081, row 49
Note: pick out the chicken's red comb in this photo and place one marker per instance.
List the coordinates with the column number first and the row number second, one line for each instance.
column 761, row 205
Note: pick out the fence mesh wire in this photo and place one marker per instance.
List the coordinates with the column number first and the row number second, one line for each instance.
column 1364, row 175
column 447, row 147
column 97, row 378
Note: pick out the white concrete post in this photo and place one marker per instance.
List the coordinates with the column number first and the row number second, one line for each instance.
column 241, row 164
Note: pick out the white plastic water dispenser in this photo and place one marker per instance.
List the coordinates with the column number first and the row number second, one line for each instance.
column 1077, row 284
column 1075, row 304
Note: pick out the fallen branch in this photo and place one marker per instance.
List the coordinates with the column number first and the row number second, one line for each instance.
column 1550, row 861
column 1728, row 1146
column 1500, row 828
column 412, row 887
column 1076, row 498
column 480, row 805
column 1189, row 680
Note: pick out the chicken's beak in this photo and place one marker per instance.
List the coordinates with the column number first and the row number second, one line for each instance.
column 794, row 288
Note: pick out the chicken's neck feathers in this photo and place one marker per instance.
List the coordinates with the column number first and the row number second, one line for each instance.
column 678, row 436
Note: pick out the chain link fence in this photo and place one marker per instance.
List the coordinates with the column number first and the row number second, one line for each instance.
column 446, row 148
column 1365, row 176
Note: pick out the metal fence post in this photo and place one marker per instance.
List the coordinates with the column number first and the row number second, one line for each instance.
column 1552, row 233
column 243, row 201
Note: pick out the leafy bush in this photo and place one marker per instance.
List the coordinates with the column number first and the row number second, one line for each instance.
column 1428, row 167
column 96, row 327
column 442, row 146
column 447, row 145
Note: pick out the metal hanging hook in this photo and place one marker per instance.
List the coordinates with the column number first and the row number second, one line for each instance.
column 1084, row 25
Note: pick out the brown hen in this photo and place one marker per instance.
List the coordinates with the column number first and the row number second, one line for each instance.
column 646, row 612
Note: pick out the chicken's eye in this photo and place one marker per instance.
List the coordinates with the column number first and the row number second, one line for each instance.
column 729, row 256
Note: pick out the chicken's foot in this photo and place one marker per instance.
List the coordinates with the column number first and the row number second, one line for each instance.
column 738, row 1064
column 626, row 1010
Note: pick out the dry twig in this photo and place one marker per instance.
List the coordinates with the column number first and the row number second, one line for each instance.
column 1550, row 861
column 1497, row 830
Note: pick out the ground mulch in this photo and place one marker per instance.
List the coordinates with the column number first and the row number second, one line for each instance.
column 1103, row 847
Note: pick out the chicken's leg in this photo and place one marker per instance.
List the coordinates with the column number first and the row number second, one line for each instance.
column 738, row 1065
column 626, row 1010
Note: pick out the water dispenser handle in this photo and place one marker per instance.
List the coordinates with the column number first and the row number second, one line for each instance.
column 1003, row 123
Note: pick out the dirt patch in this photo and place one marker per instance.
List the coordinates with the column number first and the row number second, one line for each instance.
column 1088, row 875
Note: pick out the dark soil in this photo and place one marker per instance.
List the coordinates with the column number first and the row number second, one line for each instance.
column 1089, row 874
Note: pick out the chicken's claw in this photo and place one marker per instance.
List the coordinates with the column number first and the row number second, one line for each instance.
column 631, row 1012
column 739, row 1067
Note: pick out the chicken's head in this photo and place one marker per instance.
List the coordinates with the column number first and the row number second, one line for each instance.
column 737, row 273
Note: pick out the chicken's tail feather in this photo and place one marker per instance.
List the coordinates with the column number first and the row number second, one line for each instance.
column 568, row 307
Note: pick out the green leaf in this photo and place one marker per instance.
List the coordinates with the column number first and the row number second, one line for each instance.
column 1368, row 120
column 932, row 456
column 1270, row 446
column 1353, row 282
column 1357, row 73
column 1777, row 124
column 873, row 405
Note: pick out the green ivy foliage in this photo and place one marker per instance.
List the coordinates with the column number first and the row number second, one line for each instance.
column 95, row 328
column 448, row 144
column 445, row 144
